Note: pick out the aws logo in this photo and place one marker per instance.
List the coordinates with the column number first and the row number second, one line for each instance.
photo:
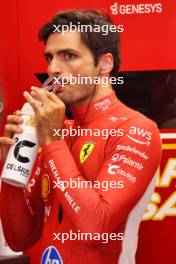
column 86, row 150
column 20, row 145
column 143, row 136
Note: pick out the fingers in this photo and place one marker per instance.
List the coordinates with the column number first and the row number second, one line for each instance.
column 18, row 112
column 6, row 140
column 53, row 97
column 31, row 101
column 13, row 128
column 5, row 143
column 14, row 119
column 46, row 98
column 10, row 129
column 13, row 124
column 43, row 95
column 39, row 94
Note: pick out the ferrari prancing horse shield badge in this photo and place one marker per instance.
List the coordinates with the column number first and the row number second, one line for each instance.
column 86, row 151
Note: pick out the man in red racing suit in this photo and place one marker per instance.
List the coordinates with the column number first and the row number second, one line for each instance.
column 87, row 193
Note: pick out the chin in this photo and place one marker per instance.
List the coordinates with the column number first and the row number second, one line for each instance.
column 65, row 99
column 70, row 98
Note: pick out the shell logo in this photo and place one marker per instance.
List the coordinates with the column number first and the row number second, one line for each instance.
column 31, row 122
column 39, row 150
column 45, row 186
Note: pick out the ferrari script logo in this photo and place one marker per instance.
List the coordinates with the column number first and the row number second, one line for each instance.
column 86, row 151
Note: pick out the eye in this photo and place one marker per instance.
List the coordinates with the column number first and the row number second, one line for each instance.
column 70, row 56
column 48, row 58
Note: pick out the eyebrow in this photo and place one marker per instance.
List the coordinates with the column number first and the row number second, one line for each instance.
column 47, row 54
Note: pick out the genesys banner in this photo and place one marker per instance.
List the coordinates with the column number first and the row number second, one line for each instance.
column 148, row 34
column 158, row 230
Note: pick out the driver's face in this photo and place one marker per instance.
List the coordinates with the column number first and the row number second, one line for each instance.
column 67, row 55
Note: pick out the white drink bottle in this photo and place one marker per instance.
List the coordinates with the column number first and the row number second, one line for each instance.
column 21, row 156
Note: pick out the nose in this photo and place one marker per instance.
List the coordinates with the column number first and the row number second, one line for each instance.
column 54, row 68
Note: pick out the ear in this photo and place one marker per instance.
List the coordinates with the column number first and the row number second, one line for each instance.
column 105, row 63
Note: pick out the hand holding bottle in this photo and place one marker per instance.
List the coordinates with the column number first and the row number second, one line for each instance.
column 12, row 126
